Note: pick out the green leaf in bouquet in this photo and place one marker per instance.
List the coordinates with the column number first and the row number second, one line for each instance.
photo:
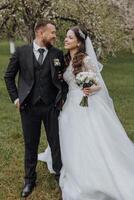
column 84, row 101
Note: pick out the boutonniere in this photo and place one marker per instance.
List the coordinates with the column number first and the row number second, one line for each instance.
column 57, row 62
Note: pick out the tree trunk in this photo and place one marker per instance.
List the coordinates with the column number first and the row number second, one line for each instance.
column 11, row 45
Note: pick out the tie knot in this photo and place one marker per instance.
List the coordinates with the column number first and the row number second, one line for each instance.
column 41, row 51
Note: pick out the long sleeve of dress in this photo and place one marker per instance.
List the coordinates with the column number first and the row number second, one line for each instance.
column 90, row 66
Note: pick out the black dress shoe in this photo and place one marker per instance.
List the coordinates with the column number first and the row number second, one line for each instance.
column 27, row 189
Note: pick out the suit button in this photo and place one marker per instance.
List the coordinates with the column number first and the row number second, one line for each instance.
column 28, row 91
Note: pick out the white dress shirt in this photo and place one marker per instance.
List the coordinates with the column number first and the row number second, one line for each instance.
column 36, row 47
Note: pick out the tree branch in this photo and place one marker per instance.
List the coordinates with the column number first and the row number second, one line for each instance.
column 4, row 6
column 67, row 19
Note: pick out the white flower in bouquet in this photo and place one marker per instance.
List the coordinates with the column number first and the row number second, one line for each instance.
column 86, row 79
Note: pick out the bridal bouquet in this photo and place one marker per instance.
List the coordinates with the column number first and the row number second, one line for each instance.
column 83, row 80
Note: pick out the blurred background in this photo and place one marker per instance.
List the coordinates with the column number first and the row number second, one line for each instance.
column 110, row 25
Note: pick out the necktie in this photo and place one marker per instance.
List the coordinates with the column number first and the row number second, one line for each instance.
column 40, row 59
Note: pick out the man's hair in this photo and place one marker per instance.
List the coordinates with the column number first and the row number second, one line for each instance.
column 42, row 23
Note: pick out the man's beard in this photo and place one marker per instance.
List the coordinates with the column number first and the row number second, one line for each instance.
column 48, row 44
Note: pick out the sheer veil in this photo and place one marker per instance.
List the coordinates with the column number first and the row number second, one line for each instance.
column 104, row 92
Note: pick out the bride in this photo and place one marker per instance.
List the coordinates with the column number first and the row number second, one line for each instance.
column 97, row 155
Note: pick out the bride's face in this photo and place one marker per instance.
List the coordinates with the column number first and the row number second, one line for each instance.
column 71, row 41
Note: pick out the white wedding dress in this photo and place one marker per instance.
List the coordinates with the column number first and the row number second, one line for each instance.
column 97, row 155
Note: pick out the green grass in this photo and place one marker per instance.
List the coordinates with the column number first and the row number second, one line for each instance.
column 119, row 77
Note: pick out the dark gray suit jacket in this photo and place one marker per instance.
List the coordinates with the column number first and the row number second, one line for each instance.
column 21, row 63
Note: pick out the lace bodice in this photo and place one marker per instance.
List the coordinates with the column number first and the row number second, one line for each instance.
column 69, row 77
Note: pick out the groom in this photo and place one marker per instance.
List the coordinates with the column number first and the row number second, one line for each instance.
column 38, row 96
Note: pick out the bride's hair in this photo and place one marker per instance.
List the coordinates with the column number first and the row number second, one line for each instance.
column 77, row 62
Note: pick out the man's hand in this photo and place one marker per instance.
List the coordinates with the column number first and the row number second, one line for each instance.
column 60, row 76
column 17, row 104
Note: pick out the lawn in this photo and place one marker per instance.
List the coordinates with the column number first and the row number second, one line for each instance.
column 119, row 77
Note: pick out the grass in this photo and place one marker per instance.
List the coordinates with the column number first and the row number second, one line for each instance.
column 118, row 74
column 119, row 77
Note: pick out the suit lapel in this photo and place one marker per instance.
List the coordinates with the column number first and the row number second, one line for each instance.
column 29, row 57
column 29, row 60
column 50, row 55
column 54, row 71
column 51, row 58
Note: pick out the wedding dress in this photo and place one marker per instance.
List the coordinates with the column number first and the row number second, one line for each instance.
column 97, row 155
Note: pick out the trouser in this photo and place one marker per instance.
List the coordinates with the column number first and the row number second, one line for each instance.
column 32, row 118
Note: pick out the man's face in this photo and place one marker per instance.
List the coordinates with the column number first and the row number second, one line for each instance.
column 48, row 34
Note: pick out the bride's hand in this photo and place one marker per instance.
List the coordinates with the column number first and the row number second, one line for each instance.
column 90, row 90
column 86, row 91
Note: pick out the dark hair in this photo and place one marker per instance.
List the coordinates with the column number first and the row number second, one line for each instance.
column 42, row 23
column 77, row 62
